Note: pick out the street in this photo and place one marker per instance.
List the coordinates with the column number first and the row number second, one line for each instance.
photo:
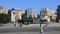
column 25, row 29
column 21, row 30
column 53, row 30
column 31, row 29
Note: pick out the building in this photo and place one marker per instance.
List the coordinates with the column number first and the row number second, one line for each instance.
column 35, row 15
column 55, row 17
column 3, row 10
column 30, row 12
column 47, row 14
column 15, row 14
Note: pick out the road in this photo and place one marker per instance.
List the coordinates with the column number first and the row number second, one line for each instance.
column 30, row 30
column 21, row 30
column 52, row 30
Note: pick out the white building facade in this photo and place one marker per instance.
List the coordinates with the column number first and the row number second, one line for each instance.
column 46, row 14
column 16, row 14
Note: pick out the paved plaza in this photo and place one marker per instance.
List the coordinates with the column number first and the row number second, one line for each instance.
column 51, row 28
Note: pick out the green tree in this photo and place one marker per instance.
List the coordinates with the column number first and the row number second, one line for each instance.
column 30, row 19
column 38, row 16
column 24, row 19
column 27, row 19
column 58, row 13
column 4, row 18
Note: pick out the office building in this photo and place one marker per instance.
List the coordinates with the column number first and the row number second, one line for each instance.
column 47, row 14
column 3, row 10
column 30, row 12
column 15, row 14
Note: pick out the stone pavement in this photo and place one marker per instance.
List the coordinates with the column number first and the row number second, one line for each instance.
column 30, row 25
column 54, row 32
column 17, row 25
column 52, row 28
column 27, row 29
column 9, row 25
column 22, row 33
column 54, row 25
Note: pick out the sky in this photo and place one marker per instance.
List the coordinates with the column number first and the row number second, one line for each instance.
column 36, row 5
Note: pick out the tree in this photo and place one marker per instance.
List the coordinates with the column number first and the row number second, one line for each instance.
column 24, row 19
column 58, row 13
column 38, row 16
column 4, row 18
column 27, row 19
column 30, row 19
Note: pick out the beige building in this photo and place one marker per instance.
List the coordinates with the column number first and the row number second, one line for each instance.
column 30, row 12
column 35, row 15
column 47, row 14
column 3, row 10
column 16, row 14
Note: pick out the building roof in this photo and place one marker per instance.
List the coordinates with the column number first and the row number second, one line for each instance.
column 16, row 9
